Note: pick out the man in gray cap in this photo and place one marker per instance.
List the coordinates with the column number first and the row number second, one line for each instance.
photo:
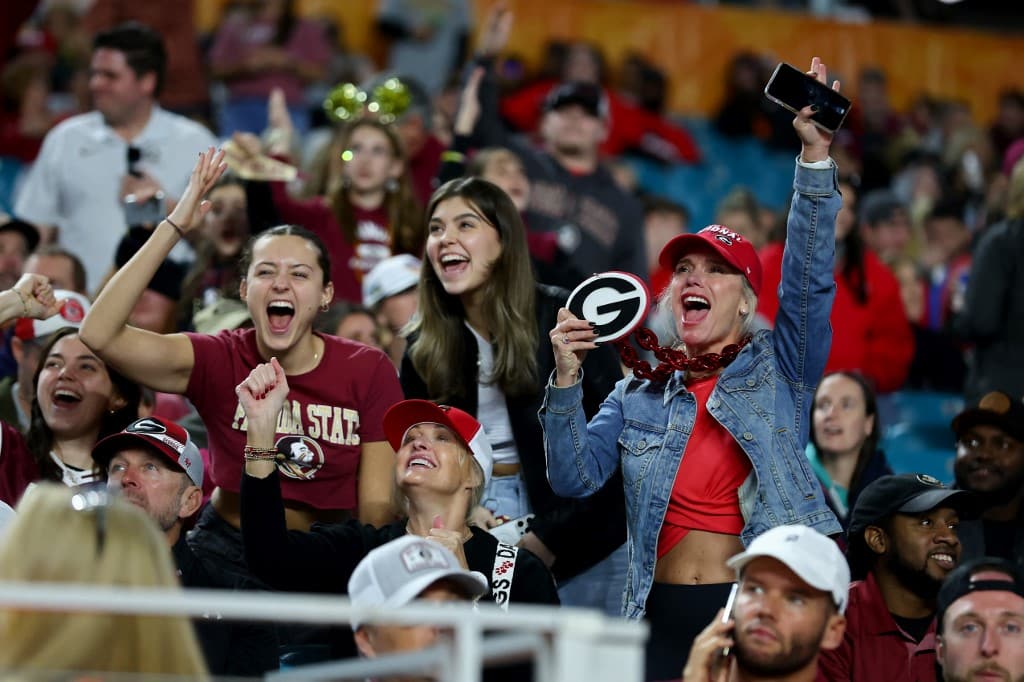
column 395, row 574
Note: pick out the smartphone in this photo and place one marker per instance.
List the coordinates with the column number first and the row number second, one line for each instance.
column 727, row 614
column 143, row 213
column 793, row 89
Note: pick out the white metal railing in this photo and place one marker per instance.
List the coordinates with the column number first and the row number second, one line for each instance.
column 565, row 644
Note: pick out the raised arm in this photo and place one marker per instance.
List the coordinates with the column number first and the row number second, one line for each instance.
column 286, row 560
column 161, row 361
column 488, row 130
column 580, row 457
column 31, row 296
column 803, row 336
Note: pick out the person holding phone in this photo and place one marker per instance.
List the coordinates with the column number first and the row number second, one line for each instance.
column 792, row 594
column 710, row 444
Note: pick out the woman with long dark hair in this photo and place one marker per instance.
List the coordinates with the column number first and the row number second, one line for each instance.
column 843, row 448
column 78, row 400
column 339, row 389
column 478, row 300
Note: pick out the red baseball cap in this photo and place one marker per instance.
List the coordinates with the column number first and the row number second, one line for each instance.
column 402, row 416
column 733, row 247
column 158, row 434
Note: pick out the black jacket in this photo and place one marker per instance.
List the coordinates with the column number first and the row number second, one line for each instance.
column 579, row 532
column 976, row 540
column 232, row 648
column 993, row 312
column 323, row 559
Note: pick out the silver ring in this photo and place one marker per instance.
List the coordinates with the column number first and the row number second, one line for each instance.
column 565, row 339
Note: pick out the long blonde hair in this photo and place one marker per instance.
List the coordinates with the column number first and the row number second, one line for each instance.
column 438, row 353
column 51, row 542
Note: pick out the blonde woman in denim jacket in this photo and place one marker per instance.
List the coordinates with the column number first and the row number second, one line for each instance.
column 691, row 503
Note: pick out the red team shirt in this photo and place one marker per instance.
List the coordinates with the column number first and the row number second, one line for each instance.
column 330, row 412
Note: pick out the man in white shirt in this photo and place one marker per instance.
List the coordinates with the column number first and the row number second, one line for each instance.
column 127, row 146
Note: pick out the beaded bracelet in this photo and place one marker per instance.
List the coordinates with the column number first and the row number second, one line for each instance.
column 254, row 454
column 177, row 228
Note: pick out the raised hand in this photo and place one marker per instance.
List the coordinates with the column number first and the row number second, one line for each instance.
column 497, row 28
column 262, row 395
column 816, row 142
column 278, row 136
column 37, row 298
column 190, row 209
column 469, row 104
column 570, row 340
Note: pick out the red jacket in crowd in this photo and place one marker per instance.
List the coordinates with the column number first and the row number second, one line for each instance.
column 873, row 337
column 632, row 127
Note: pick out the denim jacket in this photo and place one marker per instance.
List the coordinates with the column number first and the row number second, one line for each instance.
column 763, row 399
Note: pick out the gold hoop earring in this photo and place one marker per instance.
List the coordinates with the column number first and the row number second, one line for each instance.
column 324, row 307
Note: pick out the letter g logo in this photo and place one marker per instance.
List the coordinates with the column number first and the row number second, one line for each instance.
column 616, row 302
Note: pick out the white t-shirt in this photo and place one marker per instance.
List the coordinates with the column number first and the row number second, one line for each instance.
column 492, row 410
column 75, row 182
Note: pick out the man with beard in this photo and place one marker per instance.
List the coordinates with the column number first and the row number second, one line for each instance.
column 155, row 465
column 902, row 543
column 990, row 463
column 792, row 593
column 981, row 622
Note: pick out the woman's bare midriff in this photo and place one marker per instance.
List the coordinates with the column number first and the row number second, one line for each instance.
column 297, row 516
column 699, row 559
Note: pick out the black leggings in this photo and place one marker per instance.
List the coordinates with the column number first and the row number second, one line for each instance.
column 676, row 615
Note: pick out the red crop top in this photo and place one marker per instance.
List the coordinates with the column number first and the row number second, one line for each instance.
column 705, row 495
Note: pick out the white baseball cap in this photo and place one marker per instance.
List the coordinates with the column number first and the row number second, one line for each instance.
column 815, row 559
column 397, row 572
column 389, row 277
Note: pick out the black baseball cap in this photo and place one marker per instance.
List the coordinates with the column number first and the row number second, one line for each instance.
column 994, row 409
column 590, row 96
column 26, row 230
column 904, row 494
column 959, row 582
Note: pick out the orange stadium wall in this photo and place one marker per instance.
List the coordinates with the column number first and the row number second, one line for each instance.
column 694, row 44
